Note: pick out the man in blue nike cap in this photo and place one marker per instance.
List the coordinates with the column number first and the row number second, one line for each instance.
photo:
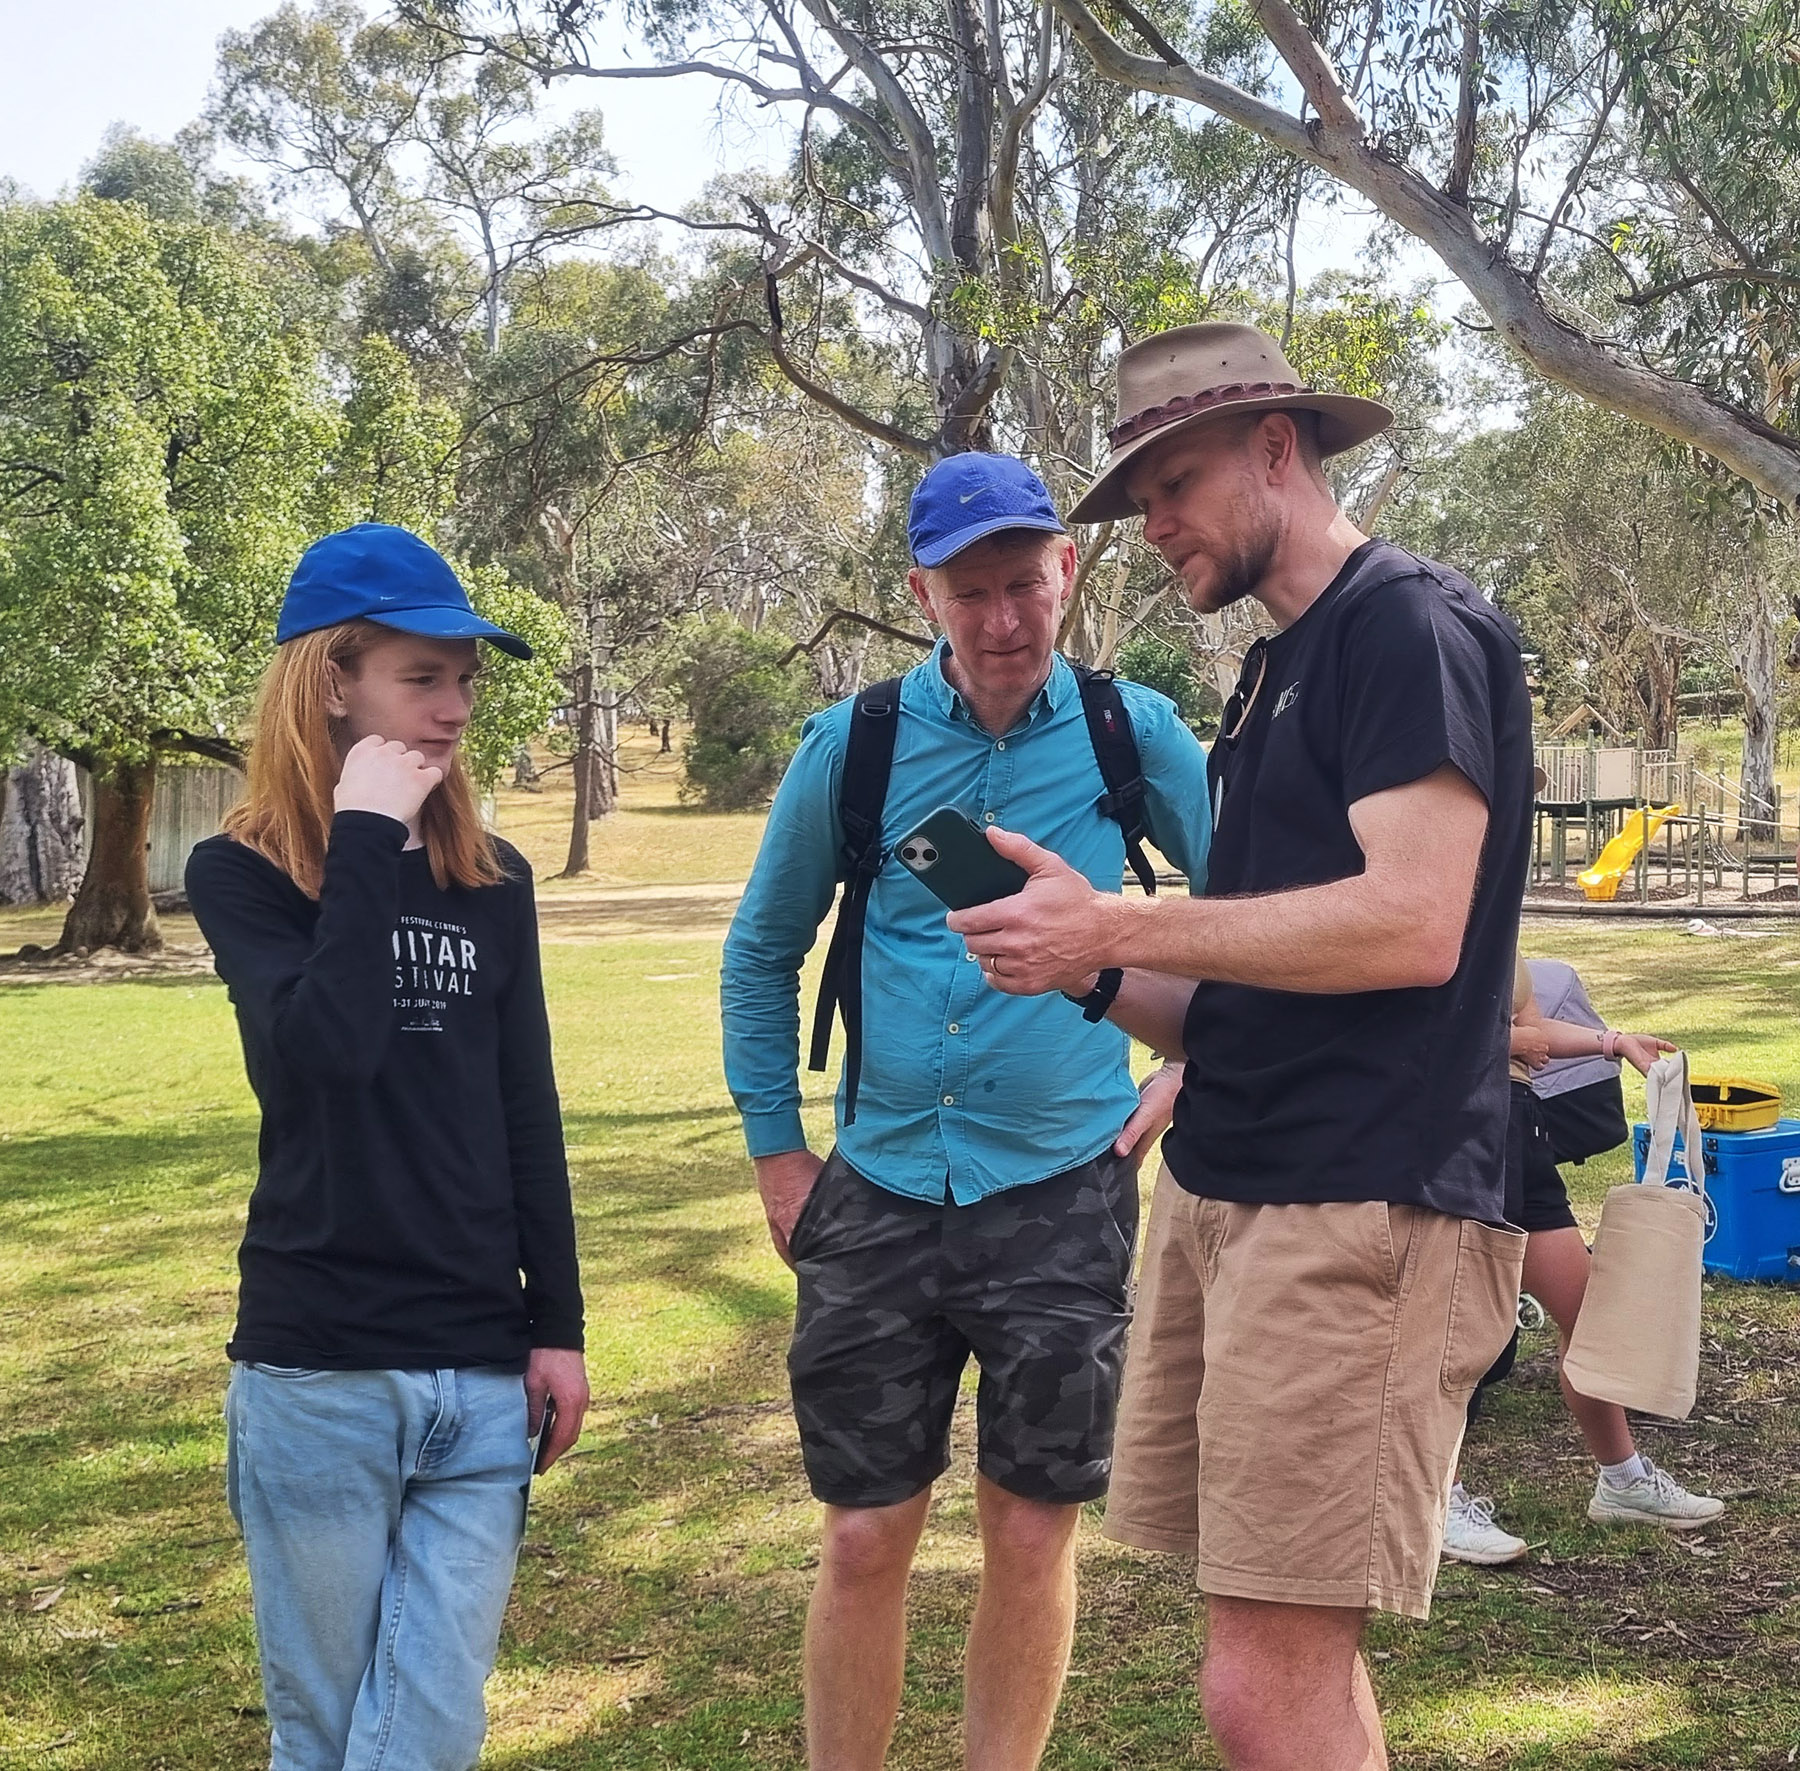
column 982, row 1196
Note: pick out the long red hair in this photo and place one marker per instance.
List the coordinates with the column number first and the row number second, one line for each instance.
column 286, row 811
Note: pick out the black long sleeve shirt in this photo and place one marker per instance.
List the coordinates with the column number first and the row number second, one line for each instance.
column 411, row 1208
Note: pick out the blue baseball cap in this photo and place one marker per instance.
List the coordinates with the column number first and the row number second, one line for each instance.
column 379, row 572
column 965, row 497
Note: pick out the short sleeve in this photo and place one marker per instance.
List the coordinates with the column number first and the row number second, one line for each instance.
column 1415, row 691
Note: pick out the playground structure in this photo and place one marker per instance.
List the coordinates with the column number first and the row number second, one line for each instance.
column 1600, row 883
column 1621, row 823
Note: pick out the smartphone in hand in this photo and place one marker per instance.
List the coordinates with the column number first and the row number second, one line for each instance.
column 949, row 855
column 540, row 1439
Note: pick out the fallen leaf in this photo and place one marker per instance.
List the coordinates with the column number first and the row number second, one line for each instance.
column 44, row 1600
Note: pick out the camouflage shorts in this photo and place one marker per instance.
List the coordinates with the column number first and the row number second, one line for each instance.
column 895, row 1294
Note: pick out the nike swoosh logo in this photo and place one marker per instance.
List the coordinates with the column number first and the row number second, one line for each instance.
column 964, row 499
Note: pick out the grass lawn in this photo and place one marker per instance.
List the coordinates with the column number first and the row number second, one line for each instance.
column 656, row 1618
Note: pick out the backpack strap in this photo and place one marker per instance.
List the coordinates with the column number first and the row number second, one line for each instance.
column 862, row 794
column 1121, row 768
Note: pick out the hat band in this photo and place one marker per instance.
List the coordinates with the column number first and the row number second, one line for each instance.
column 1186, row 405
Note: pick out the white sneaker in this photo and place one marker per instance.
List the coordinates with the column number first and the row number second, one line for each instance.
column 1470, row 1534
column 1655, row 1498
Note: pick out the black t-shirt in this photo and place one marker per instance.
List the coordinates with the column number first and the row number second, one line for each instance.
column 1399, row 667
column 411, row 1208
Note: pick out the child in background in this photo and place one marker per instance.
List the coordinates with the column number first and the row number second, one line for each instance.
column 1630, row 1489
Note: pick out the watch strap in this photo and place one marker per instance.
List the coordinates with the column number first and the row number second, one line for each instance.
column 1094, row 1005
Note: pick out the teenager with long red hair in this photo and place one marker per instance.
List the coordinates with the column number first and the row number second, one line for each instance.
column 409, row 1314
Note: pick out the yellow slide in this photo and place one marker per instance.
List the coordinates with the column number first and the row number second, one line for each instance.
column 1601, row 881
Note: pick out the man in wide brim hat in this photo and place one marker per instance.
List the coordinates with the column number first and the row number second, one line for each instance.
column 1328, row 1269
column 1200, row 375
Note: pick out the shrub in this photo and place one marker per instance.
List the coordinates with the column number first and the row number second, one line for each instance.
column 746, row 712
column 1157, row 664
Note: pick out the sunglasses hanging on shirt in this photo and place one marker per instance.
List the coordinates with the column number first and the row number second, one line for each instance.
column 1249, row 686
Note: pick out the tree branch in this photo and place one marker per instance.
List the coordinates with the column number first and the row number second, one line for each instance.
column 858, row 280
column 1742, row 441
column 1577, row 173
column 918, row 447
column 1462, row 155
column 920, row 145
column 966, row 410
column 1084, row 570
column 1738, row 274
column 923, row 641
column 1307, row 61
column 219, row 750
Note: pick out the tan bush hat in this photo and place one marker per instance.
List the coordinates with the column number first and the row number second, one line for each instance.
column 1192, row 374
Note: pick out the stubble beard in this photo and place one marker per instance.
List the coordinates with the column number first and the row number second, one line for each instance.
column 1241, row 569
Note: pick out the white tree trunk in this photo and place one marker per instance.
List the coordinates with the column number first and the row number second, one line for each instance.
column 42, row 852
column 1753, row 659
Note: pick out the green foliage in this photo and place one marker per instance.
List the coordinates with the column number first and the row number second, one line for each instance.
column 170, row 450
column 163, row 433
column 1149, row 659
column 517, row 695
column 395, row 455
column 746, row 712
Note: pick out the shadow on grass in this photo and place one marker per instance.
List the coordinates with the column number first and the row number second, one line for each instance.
column 700, row 918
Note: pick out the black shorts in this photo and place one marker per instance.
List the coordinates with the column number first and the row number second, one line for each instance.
column 1536, row 1198
column 895, row 1294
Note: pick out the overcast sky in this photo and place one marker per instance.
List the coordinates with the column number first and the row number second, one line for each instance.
column 68, row 68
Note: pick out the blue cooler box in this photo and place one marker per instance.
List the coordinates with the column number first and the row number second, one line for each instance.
column 1752, row 1198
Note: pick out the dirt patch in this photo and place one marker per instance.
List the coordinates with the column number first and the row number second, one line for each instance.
column 105, row 965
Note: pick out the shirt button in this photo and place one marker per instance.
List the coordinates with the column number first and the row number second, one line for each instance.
column 987, row 817
column 956, row 1026
column 949, row 1100
column 999, row 743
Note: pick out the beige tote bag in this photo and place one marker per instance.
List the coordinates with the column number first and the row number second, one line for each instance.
column 1637, row 1339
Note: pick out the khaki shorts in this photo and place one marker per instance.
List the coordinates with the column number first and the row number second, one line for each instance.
column 1295, row 1391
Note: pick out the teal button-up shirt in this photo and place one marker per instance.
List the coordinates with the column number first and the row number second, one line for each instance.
column 964, row 1089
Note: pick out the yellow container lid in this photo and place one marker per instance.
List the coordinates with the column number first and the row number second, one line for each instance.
column 1735, row 1103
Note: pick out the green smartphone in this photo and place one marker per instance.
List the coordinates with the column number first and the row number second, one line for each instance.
column 949, row 856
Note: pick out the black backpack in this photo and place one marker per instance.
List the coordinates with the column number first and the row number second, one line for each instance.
column 862, row 795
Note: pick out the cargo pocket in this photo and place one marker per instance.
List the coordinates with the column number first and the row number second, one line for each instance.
column 1484, row 1302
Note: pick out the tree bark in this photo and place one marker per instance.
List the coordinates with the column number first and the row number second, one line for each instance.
column 607, row 774
column 1661, row 684
column 577, row 862
column 40, row 831
column 1754, row 661
column 113, row 907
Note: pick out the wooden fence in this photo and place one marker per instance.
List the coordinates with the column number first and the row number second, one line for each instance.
column 189, row 802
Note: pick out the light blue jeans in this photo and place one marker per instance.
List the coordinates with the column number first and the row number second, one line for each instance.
column 382, row 1513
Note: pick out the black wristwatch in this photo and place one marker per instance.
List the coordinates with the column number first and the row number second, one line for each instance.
column 1094, row 1005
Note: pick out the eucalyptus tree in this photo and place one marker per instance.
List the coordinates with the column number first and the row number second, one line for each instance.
column 443, row 169
column 1623, row 573
column 1516, row 140
column 637, row 487
column 982, row 212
